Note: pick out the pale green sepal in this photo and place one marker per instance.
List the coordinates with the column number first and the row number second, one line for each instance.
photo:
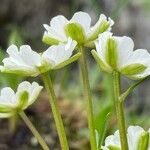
column 5, row 109
column 23, row 100
column 111, row 53
column 102, row 28
column 70, row 60
column 6, row 115
column 111, row 147
column 20, row 72
column 76, row 32
column 49, row 41
column 133, row 69
column 143, row 141
column 101, row 63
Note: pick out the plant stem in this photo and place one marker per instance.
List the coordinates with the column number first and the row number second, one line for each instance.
column 120, row 112
column 13, row 123
column 57, row 117
column 88, row 97
column 34, row 131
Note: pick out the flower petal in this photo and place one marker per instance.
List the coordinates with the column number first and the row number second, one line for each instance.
column 60, row 53
column 134, row 133
column 8, row 97
column 56, row 29
column 23, row 62
column 83, row 19
column 101, row 26
column 33, row 91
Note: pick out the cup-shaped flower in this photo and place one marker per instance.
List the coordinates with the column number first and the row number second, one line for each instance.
column 12, row 103
column 116, row 54
column 27, row 62
column 138, row 139
column 78, row 28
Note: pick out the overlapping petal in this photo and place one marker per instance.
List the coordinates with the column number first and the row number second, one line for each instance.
column 60, row 53
column 118, row 54
column 80, row 24
column 10, row 101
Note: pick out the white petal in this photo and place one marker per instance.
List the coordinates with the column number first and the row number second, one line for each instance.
column 29, row 56
column 83, row 19
column 56, row 29
column 138, row 56
column 134, row 133
column 54, row 34
column 113, row 140
column 24, row 86
column 32, row 89
column 8, row 97
column 59, row 53
column 125, row 49
column 25, row 60
column 34, row 92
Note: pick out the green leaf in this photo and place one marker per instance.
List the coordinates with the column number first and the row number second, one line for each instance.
column 111, row 52
column 23, row 100
column 101, row 63
column 76, row 32
column 50, row 41
column 143, row 141
column 69, row 61
column 133, row 69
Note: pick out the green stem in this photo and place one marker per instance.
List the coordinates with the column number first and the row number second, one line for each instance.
column 13, row 123
column 120, row 112
column 88, row 97
column 34, row 131
column 57, row 117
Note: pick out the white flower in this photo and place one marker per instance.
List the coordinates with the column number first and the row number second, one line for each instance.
column 11, row 102
column 137, row 139
column 116, row 53
column 78, row 28
column 27, row 62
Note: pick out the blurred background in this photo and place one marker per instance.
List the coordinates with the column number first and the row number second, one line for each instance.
column 21, row 23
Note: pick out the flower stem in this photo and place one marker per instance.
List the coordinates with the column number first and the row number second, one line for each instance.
column 88, row 97
column 34, row 131
column 57, row 117
column 13, row 123
column 120, row 112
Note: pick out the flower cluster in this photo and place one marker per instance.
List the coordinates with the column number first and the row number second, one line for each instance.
column 116, row 53
column 113, row 54
column 12, row 103
column 78, row 28
column 137, row 139
column 27, row 62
